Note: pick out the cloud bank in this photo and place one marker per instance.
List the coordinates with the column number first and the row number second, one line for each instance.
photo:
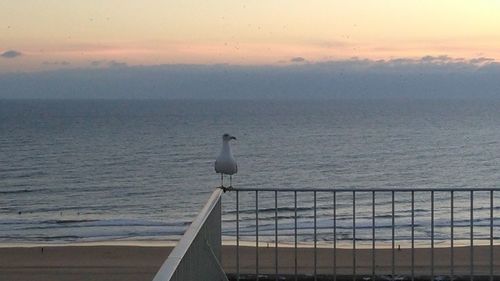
column 426, row 77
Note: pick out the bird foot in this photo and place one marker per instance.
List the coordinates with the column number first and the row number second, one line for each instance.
column 224, row 188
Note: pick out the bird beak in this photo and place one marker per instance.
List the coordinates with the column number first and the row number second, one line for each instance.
column 233, row 138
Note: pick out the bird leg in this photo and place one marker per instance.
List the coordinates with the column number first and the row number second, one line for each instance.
column 230, row 181
column 221, row 180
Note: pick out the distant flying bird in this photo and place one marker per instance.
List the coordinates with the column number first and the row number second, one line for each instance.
column 225, row 163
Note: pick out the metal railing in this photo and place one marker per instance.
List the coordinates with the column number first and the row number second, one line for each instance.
column 197, row 255
column 390, row 233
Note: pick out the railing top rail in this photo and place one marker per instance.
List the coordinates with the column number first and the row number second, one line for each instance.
column 395, row 189
column 171, row 263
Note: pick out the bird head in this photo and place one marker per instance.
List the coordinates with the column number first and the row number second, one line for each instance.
column 227, row 137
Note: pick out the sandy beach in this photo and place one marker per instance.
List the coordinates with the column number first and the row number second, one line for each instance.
column 128, row 263
column 81, row 263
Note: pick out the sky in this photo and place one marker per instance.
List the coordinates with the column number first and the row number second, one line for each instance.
column 42, row 35
column 249, row 49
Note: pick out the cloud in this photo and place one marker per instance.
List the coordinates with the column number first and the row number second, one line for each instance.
column 108, row 63
column 438, row 76
column 482, row 60
column 298, row 59
column 114, row 63
column 425, row 64
column 61, row 63
column 10, row 54
column 436, row 59
column 96, row 63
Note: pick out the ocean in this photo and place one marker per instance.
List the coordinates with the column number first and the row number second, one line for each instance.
column 128, row 170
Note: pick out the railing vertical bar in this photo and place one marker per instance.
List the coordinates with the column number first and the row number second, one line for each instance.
column 295, row 232
column 491, row 235
column 412, row 235
column 393, row 261
column 471, row 235
column 373, row 235
column 334, row 236
column 276, row 233
column 315, row 240
column 237, row 235
column 432, row 235
column 257, row 235
column 452, row 233
column 354, row 235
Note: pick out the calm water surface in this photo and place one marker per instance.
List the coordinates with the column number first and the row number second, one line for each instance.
column 129, row 170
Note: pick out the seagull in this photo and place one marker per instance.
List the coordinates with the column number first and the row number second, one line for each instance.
column 225, row 163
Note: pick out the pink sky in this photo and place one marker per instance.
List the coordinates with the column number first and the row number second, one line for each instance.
column 53, row 34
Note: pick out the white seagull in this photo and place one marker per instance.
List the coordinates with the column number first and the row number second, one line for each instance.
column 225, row 163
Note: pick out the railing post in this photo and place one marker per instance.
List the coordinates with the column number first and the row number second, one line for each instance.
column 491, row 235
column 237, row 235
column 471, row 235
column 412, row 235
column 295, row 231
column 373, row 235
column 334, row 236
column 199, row 247
column 276, row 233
column 393, row 260
column 452, row 233
column 257, row 235
column 432, row 235
column 315, row 240
column 354, row 235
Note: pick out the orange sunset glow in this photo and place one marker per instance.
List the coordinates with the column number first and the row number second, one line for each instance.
column 51, row 33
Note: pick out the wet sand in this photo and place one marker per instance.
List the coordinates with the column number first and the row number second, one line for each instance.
column 130, row 263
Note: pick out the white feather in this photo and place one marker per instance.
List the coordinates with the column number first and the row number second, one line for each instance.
column 225, row 163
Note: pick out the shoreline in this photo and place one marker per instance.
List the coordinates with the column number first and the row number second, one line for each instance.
column 134, row 262
column 104, row 243
column 341, row 244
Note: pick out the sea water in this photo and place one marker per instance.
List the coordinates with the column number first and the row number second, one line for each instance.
column 99, row 170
